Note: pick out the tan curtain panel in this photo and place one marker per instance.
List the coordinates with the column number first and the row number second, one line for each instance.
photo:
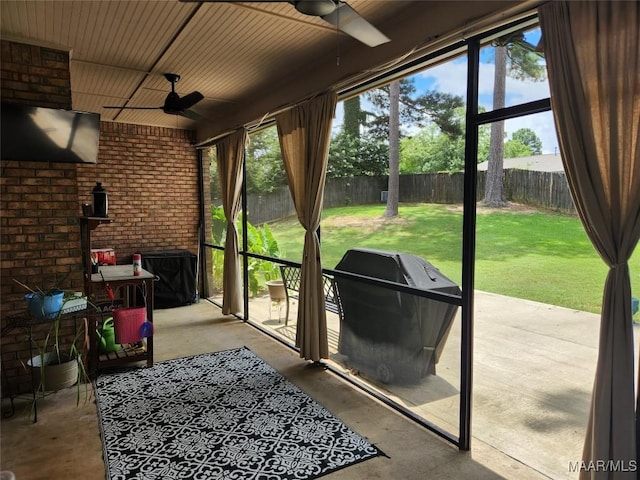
column 305, row 133
column 229, row 155
column 593, row 60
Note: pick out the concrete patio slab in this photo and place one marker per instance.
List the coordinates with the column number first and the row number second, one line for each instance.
column 533, row 373
column 534, row 367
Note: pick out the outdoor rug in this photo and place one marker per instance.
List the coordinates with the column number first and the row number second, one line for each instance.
column 224, row 415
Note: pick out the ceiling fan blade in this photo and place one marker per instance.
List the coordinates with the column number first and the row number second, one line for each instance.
column 350, row 22
column 192, row 115
column 190, row 100
column 233, row 1
column 343, row 17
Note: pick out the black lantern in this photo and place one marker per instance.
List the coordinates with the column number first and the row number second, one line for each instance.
column 100, row 203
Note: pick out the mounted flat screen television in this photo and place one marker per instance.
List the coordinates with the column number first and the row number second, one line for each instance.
column 38, row 134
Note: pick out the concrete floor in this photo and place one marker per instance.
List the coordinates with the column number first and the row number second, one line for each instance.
column 65, row 443
column 534, row 366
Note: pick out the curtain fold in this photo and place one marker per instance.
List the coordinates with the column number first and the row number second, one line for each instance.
column 305, row 132
column 229, row 157
column 593, row 60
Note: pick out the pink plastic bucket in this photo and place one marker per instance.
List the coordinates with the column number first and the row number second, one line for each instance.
column 127, row 323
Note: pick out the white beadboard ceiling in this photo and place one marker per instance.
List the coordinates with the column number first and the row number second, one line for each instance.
column 246, row 58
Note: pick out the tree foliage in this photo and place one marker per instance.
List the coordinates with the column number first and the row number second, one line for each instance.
column 528, row 137
column 354, row 117
column 351, row 156
column 516, row 149
column 523, row 143
column 265, row 168
column 398, row 110
column 523, row 59
column 432, row 151
column 415, row 111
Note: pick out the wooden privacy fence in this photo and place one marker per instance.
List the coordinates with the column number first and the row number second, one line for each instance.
column 547, row 190
column 541, row 189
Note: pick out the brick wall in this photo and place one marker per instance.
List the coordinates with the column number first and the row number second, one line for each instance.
column 150, row 173
column 39, row 236
column 34, row 75
column 151, row 178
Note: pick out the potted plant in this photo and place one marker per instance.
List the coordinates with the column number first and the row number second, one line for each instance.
column 57, row 364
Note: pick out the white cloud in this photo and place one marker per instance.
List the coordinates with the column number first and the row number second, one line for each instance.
column 448, row 77
column 542, row 124
column 451, row 77
column 518, row 91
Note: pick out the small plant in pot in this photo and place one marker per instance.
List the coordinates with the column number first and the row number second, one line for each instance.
column 58, row 361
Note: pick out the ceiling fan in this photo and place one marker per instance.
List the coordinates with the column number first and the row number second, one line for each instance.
column 335, row 12
column 174, row 104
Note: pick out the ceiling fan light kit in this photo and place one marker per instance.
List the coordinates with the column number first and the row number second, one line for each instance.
column 317, row 8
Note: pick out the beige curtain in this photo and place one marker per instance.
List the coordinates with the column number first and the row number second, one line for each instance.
column 229, row 155
column 305, row 133
column 593, row 59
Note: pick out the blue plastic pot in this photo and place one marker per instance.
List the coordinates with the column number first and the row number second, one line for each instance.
column 45, row 306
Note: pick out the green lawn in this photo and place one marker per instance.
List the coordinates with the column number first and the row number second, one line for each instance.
column 520, row 252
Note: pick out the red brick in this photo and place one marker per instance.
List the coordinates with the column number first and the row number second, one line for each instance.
column 150, row 174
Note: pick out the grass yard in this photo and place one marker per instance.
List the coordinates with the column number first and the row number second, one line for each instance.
column 520, row 252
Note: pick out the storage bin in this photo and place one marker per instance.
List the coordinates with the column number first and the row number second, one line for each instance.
column 176, row 277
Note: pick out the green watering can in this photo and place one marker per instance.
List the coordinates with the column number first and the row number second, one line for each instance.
column 107, row 336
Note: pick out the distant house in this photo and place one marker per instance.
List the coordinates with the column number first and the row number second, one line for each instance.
column 539, row 163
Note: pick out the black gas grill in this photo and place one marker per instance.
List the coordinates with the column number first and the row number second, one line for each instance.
column 398, row 336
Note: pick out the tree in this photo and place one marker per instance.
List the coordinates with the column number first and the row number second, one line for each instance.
column 393, row 193
column 397, row 106
column 516, row 149
column 528, row 137
column 523, row 143
column 416, row 151
column 493, row 193
column 378, row 120
column 354, row 117
column 351, row 156
column 516, row 57
column 265, row 168
column 353, row 152
column 431, row 107
column 431, row 151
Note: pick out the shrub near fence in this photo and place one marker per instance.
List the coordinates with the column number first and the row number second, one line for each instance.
column 547, row 190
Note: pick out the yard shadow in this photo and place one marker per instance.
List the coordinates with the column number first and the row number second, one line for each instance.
column 561, row 409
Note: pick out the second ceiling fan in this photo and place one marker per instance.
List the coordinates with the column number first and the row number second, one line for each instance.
column 174, row 104
column 335, row 12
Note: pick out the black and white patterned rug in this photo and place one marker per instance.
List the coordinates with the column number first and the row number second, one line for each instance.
column 224, row 415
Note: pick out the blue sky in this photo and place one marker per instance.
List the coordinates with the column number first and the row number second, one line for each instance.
column 451, row 77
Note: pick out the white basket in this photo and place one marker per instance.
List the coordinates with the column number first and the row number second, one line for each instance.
column 75, row 305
